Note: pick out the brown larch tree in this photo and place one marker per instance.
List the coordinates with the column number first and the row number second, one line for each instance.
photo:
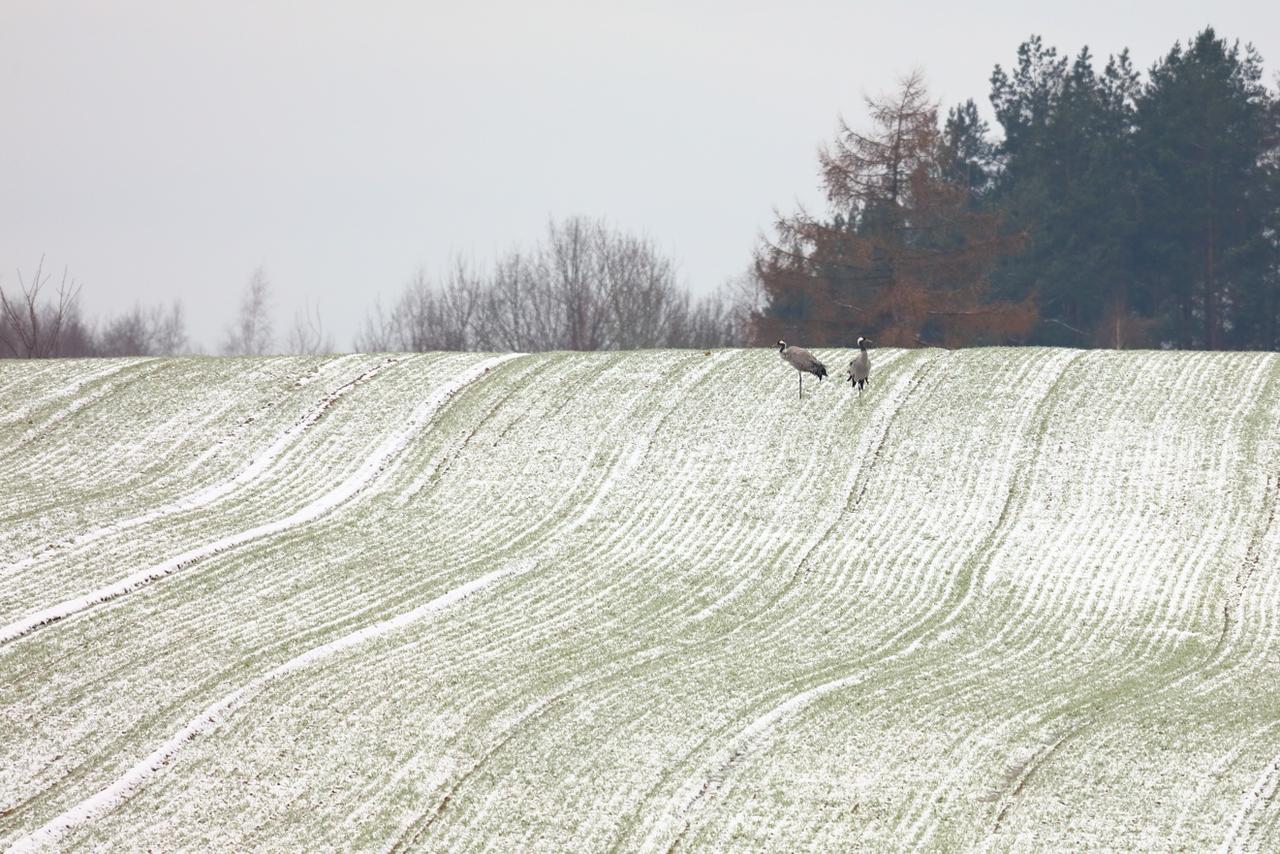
column 906, row 252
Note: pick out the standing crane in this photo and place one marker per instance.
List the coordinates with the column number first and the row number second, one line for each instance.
column 859, row 372
column 803, row 361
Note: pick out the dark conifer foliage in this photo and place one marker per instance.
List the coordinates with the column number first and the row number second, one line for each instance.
column 1207, row 153
column 1103, row 210
column 905, row 253
column 1151, row 207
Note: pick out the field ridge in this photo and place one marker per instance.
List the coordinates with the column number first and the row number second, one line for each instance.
column 1007, row 599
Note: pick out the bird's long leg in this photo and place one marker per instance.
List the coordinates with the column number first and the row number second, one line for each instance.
column 800, row 375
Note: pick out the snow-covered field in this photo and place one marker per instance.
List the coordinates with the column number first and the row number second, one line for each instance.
column 1010, row 600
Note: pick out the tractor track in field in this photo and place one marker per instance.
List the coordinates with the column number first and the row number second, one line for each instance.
column 625, row 609
column 259, row 465
column 1142, row 693
column 863, row 475
column 123, row 787
column 624, row 464
column 838, row 677
column 119, row 791
column 344, row 492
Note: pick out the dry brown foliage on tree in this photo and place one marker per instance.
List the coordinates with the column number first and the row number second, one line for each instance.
column 906, row 254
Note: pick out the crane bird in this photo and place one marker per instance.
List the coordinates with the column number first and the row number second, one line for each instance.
column 859, row 372
column 802, row 360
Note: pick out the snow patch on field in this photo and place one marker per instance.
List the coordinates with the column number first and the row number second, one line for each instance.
column 215, row 713
column 1006, row 599
column 261, row 463
column 344, row 492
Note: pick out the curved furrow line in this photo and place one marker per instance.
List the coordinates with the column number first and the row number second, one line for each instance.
column 412, row 834
column 238, row 435
column 623, row 468
column 861, row 462
column 104, row 385
column 1233, row 604
column 261, row 464
column 668, row 407
column 900, row 549
column 1133, row 684
column 20, row 378
column 18, row 459
column 1229, row 660
column 149, row 443
column 972, row 669
column 1060, row 725
column 1260, row 795
column 432, row 474
column 584, row 516
column 138, row 776
column 859, row 474
column 1252, row 678
column 239, row 627
column 580, row 517
column 840, row 675
column 353, row 485
column 853, row 487
column 1227, row 695
column 89, row 372
column 1215, row 771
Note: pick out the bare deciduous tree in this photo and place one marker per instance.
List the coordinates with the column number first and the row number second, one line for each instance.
column 375, row 335
column 251, row 334
column 514, row 311
column 30, row 328
column 570, row 265
column 169, row 330
column 144, row 332
column 307, row 334
column 587, row 287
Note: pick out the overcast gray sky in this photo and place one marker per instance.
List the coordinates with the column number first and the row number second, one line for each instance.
column 166, row 149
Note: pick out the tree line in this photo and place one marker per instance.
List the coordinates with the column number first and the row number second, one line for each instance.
column 41, row 320
column 1110, row 211
column 1106, row 209
column 585, row 286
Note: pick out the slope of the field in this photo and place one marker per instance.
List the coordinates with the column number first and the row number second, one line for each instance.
column 1008, row 599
